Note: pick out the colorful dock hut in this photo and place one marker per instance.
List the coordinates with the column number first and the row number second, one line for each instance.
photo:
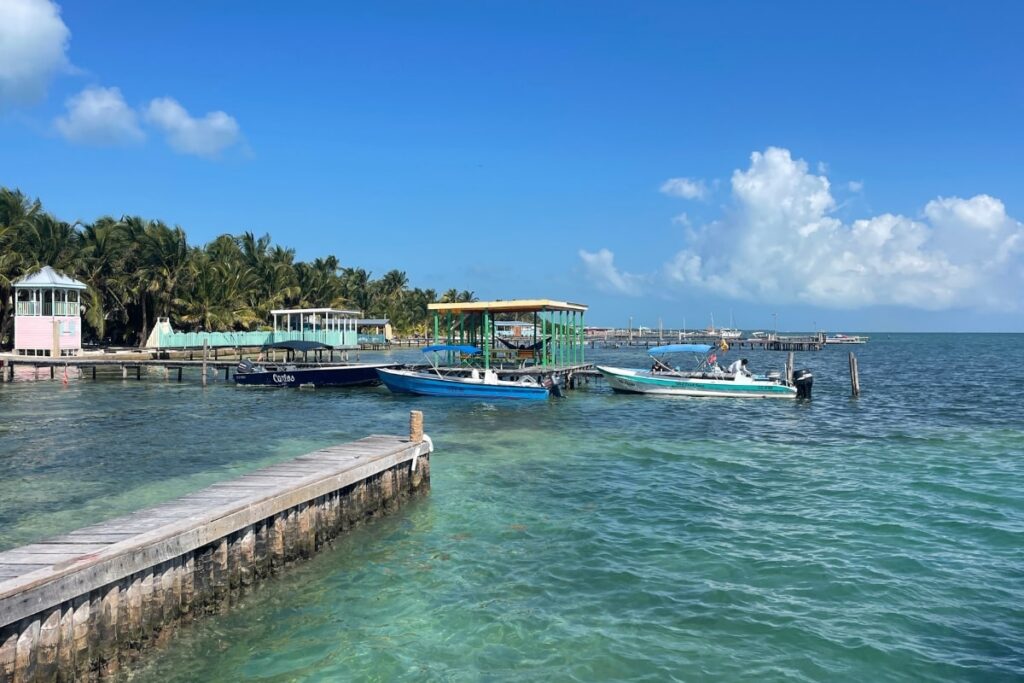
column 555, row 330
column 47, row 314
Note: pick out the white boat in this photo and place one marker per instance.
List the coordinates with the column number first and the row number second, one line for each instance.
column 844, row 339
column 722, row 332
column 707, row 380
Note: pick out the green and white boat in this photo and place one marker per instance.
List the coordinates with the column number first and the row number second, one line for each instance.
column 706, row 380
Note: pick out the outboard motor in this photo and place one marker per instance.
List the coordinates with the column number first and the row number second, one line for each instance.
column 803, row 380
column 554, row 386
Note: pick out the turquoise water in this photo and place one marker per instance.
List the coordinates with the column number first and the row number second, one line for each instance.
column 601, row 537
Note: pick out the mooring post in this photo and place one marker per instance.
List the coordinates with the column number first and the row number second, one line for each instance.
column 206, row 351
column 789, row 368
column 416, row 426
column 124, row 371
column 179, row 373
column 94, row 372
column 854, row 375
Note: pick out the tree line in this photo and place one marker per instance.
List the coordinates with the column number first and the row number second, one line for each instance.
column 139, row 269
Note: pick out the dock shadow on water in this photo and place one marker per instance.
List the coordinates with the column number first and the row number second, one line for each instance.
column 600, row 537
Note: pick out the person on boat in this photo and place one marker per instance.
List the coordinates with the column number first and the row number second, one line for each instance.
column 739, row 367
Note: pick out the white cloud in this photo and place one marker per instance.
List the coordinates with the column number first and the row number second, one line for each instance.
column 682, row 219
column 207, row 136
column 99, row 116
column 779, row 242
column 685, row 188
column 855, row 185
column 33, row 42
column 601, row 270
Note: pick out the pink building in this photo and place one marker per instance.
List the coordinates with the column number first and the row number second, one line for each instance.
column 47, row 318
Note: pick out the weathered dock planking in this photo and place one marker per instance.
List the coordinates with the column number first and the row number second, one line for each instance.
column 80, row 605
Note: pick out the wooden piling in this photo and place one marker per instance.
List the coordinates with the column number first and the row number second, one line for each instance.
column 416, row 426
column 789, row 368
column 854, row 376
column 206, row 353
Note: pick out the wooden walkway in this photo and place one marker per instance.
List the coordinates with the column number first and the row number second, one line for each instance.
column 214, row 540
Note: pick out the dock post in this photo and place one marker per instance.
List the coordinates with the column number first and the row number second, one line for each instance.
column 789, row 368
column 206, row 352
column 854, row 376
column 51, row 372
column 416, row 426
column 124, row 371
column 179, row 373
column 227, row 369
column 94, row 372
column 138, row 372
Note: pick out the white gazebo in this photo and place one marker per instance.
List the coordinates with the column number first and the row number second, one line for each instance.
column 47, row 314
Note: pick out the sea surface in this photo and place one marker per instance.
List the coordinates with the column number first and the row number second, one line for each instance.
column 595, row 538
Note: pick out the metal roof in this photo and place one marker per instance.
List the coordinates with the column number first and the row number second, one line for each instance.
column 510, row 306
column 47, row 277
column 338, row 311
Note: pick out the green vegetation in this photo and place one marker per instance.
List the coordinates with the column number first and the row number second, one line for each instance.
column 139, row 269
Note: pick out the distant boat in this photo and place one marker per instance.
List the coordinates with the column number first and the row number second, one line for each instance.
column 706, row 380
column 476, row 385
column 722, row 332
column 844, row 339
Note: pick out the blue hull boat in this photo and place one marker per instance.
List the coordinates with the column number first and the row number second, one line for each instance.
column 292, row 376
column 426, row 384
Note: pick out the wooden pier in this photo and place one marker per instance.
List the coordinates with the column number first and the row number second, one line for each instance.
column 80, row 605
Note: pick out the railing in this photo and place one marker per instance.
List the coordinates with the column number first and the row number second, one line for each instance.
column 195, row 340
column 61, row 308
column 372, row 339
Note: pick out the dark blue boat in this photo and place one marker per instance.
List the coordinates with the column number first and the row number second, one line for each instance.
column 280, row 375
column 292, row 375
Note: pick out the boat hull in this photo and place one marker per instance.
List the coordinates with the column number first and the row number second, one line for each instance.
column 408, row 382
column 331, row 376
column 641, row 382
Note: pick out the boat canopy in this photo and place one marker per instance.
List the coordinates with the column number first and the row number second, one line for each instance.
column 680, row 348
column 459, row 348
column 296, row 345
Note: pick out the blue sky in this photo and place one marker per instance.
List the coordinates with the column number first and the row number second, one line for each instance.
column 857, row 167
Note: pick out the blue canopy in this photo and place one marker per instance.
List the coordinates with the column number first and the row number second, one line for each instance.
column 452, row 347
column 681, row 348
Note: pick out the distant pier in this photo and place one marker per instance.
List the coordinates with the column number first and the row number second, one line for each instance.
column 772, row 342
column 80, row 605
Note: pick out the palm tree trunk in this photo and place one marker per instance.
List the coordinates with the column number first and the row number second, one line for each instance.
column 144, row 332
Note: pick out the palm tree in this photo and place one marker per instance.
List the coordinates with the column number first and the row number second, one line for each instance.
column 101, row 247
column 216, row 296
column 165, row 256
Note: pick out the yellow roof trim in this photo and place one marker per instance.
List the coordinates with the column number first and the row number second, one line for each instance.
column 510, row 306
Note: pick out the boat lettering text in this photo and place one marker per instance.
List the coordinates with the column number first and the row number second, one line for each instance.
column 283, row 379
